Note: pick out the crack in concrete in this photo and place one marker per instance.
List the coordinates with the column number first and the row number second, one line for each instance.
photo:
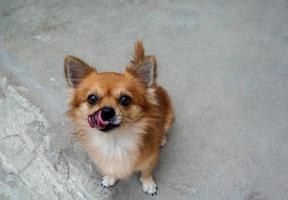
column 35, row 154
column 60, row 158
column 10, row 136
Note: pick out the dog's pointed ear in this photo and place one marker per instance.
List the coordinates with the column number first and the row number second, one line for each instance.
column 75, row 70
column 143, row 67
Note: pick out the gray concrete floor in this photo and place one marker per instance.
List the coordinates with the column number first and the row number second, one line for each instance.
column 224, row 63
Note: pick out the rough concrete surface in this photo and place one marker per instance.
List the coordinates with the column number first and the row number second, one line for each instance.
column 224, row 63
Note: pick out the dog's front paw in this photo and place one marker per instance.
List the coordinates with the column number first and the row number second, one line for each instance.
column 149, row 186
column 108, row 181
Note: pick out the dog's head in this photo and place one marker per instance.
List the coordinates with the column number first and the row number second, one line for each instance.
column 109, row 100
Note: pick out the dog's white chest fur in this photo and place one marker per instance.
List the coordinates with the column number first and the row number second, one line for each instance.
column 115, row 153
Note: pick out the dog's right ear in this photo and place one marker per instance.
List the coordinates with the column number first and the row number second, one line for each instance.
column 75, row 70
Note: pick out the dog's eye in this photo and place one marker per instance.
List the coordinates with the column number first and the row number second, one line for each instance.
column 125, row 100
column 92, row 99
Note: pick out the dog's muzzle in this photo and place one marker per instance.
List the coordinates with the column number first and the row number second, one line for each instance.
column 104, row 119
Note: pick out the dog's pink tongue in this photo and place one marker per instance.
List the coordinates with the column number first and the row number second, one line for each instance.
column 100, row 122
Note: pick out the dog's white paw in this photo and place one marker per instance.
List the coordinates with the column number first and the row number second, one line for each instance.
column 108, row 181
column 149, row 186
column 163, row 141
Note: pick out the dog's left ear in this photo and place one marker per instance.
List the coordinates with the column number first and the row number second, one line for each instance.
column 143, row 67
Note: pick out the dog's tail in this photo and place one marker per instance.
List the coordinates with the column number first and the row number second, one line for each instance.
column 139, row 53
column 143, row 66
column 139, row 57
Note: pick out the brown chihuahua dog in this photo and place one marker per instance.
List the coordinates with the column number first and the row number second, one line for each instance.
column 121, row 119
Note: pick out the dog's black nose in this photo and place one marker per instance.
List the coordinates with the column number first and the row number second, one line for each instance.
column 107, row 113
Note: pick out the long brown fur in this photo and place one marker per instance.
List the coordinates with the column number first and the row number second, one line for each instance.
column 151, row 112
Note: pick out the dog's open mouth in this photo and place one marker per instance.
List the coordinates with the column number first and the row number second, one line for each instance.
column 95, row 121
